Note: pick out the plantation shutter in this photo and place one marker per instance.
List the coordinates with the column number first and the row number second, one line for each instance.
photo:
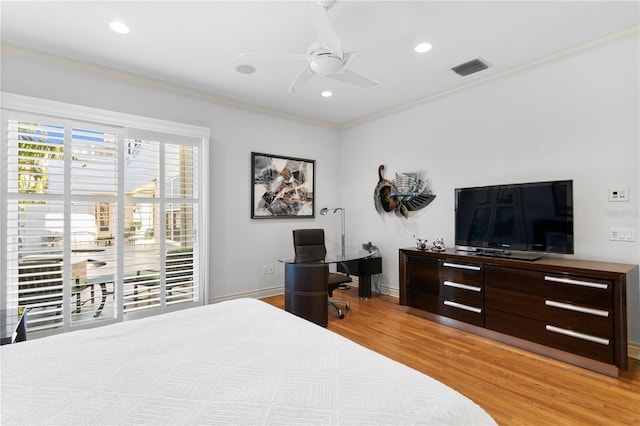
column 142, row 282
column 93, row 203
column 181, row 212
column 101, row 222
column 34, row 270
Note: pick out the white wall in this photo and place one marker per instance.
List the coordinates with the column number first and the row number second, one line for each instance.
column 240, row 247
column 574, row 119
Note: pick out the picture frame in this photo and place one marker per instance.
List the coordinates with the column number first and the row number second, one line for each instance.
column 282, row 187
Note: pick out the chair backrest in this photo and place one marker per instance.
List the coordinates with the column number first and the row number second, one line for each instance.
column 309, row 244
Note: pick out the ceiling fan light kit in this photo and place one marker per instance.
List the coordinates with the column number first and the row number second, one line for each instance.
column 325, row 64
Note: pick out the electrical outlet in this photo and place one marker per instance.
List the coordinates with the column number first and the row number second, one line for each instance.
column 267, row 270
column 618, row 194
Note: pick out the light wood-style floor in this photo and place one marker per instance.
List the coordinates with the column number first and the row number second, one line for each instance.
column 514, row 386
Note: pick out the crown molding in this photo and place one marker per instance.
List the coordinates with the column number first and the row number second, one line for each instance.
column 111, row 73
column 560, row 55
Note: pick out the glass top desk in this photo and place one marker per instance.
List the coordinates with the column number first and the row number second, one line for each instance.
column 306, row 281
column 360, row 262
column 331, row 257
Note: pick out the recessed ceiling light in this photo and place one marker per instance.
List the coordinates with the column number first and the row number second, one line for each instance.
column 423, row 47
column 245, row 69
column 119, row 27
column 326, row 94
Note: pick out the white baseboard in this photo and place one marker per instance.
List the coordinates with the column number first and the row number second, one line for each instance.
column 634, row 350
column 255, row 294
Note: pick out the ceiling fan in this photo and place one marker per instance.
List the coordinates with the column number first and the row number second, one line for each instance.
column 326, row 56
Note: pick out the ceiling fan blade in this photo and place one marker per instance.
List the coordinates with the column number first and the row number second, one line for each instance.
column 324, row 30
column 348, row 57
column 300, row 80
column 348, row 76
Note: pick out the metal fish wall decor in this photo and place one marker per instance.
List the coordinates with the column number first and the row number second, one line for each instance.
column 402, row 195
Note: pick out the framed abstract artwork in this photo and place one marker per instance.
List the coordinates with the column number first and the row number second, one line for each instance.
column 282, row 187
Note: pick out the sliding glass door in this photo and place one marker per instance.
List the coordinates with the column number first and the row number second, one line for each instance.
column 101, row 221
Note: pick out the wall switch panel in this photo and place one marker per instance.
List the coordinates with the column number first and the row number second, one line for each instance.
column 622, row 234
column 618, row 194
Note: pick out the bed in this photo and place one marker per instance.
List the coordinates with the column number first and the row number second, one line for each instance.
column 235, row 362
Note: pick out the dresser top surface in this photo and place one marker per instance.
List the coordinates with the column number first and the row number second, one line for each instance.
column 545, row 262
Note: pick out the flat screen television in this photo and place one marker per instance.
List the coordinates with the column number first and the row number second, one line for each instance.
column 530, row 218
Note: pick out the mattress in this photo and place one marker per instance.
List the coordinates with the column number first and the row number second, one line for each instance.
column 235, row 362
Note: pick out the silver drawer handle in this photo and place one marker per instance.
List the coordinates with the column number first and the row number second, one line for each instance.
column 577, row 335
column 462, row 286
column 576, row 282
column 456, row 265
column 576, row 308
column 461, row 306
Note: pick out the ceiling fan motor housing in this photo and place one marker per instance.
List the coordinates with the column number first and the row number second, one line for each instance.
column 325, row 64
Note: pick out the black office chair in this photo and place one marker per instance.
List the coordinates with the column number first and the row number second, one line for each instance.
column 309, row 246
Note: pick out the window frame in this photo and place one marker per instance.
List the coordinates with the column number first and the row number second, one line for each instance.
column 12, row 104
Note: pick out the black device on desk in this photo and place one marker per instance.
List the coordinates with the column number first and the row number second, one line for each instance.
column 364, row 269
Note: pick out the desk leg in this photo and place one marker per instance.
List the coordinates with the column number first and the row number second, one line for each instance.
column 364, row 287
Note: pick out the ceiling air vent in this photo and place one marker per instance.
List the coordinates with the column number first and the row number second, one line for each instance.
column 470, row 67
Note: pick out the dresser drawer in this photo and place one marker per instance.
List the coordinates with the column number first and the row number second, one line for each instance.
column 581, row 290
column 546, row 333
column 462, row 292
column 465, row 273
column 448, row 308
column 422, row 275
column 582, row 318
column 461, row 311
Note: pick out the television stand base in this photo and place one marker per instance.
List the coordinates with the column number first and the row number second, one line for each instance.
column 509, row 255
column 505, row 254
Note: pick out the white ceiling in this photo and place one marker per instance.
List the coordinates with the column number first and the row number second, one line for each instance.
column 196, row 44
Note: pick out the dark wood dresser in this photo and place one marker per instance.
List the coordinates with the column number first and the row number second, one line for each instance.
column 568, row 309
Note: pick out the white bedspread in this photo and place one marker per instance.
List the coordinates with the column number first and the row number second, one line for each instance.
column 235, row 362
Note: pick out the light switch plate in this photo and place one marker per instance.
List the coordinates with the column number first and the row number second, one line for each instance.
column 622, row 234
column 618, row 194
